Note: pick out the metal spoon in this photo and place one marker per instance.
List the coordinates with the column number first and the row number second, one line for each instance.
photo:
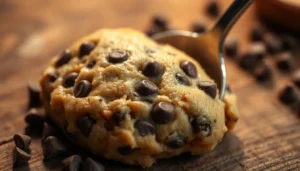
column 207, row 48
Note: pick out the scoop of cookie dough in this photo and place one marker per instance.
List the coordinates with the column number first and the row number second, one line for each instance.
column 125, row 97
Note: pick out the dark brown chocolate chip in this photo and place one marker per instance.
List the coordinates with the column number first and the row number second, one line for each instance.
column 284, row 62
column 152, row 69
column 201, row 124
column 209, row 88
column 34, row 118
column 52, row 76
column 69, row 80
column 49, row 130
column 263, row 72
column 117, row 118
column 146, row 88
column 22, row 141
column 231, row 48
column 288, row 95
column 86, row 48
column 20, row 157
column 53, row 147
column 175, row 141
column 289, row 42
column 198, row 27
column 273, row 44
column 91, row 64
column 162, row 113
column 296, row 78
column 144, row 127
column 189, row 69
column 212, row 8
column 182, row 79
column 34, row 90
column 91, row 165
column 117, row 56
column 64, row 58
column 258, row 50
column 82, row 89
column 125, row 150
column 85, row 124
column 248, row 61
column 72, row 163
column 257, row 34
column 160, row 21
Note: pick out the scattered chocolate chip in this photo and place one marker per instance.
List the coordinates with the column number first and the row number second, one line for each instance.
column 284, row 62
column 91, row 64
column 85, row 124
column 22, row 141
column 162, row 113
column 152, row 69
column 146, row 88
column 72, row 163
column 53, row 147
column 175, row 141
column 91, row 165
column 258, row 50
column 117, row 118
column 125, row 150
column 64, row 58
column 263, row 72
column 52, row 76
column 117, row 56
column 257, row 34
column 160, row 21
column 231, row 48
column 212, row 9
column 288, row 95
column 20, row 157
column 182, row 79
column 49, row 130
column 289, row 42
column 248, row 61
column 144, row 127
column 189, row 69
column 34, row 118
column 296, row 78
column 198, row 27
column 34, row 90
column 201, row 124
column 82, row 89
column 209, row 88
column 273, row 44
column 86, row 48
column 69, row 80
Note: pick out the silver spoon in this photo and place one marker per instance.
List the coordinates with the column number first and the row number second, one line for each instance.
column 207, row 48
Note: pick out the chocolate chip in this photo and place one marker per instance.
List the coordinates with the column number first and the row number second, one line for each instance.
column 231, row 48
column 144, row 127
column 289, row 42
column 146, row 88
column 212, row 8
column 182, row 79
column 175, row 141
column 288, row 94
column 82, row 89
column 296, row 78
column 257, row 34
column 258, row 50
column 189, row 69
column 49, row 130
column 69, row 80
column 34, row 118
column 198, row 27
column 160, row 21
column 72, row 163
column 53, row 147
column 52, row 76
column 34, row 91
column 91, row 64
column 209, row 88
column 117, row 118
column 20, row 157
column 86, row 48
column 85, row 124
column 273, row 44
column 117, row 56
column 162, row 113
column 64, row 58
column 125, row 150
column 285, row 62
column 22, row 141
column 152, row 69
column 201, row 124
column 263, row 72
column 91, row 165
column 248, row 61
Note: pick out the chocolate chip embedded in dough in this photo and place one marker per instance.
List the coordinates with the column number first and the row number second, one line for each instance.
column 162, row 113
column 52, row 76
column 117, row 56
column 182, row 79
column 146, row 88
column 209, row 88
column 231, row 48
column 125, row 150
column 63, row 58
column 189, row 68
column 82, row 89
column 86, row 48
column 285, row 62
column 175, row 141
column 198, row 27
column 69, row 80
column 144, row 127
column 201, row 124
column 152, row 69
column 289, row 94
column 212, row 8
column 85, row 124
column 117, row 118
column 91, row 64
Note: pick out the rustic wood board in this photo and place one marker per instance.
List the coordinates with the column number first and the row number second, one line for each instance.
column 267, row 136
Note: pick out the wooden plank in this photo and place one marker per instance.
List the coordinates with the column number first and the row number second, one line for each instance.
column 267, row 136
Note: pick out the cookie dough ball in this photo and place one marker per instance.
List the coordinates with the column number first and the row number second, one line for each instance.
column 125, row 97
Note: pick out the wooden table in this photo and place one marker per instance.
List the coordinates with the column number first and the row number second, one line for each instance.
column 267, row 136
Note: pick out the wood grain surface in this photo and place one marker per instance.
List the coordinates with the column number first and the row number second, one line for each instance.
column 267, row 136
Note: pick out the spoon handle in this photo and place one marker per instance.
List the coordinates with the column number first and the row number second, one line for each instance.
column 236, row 9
